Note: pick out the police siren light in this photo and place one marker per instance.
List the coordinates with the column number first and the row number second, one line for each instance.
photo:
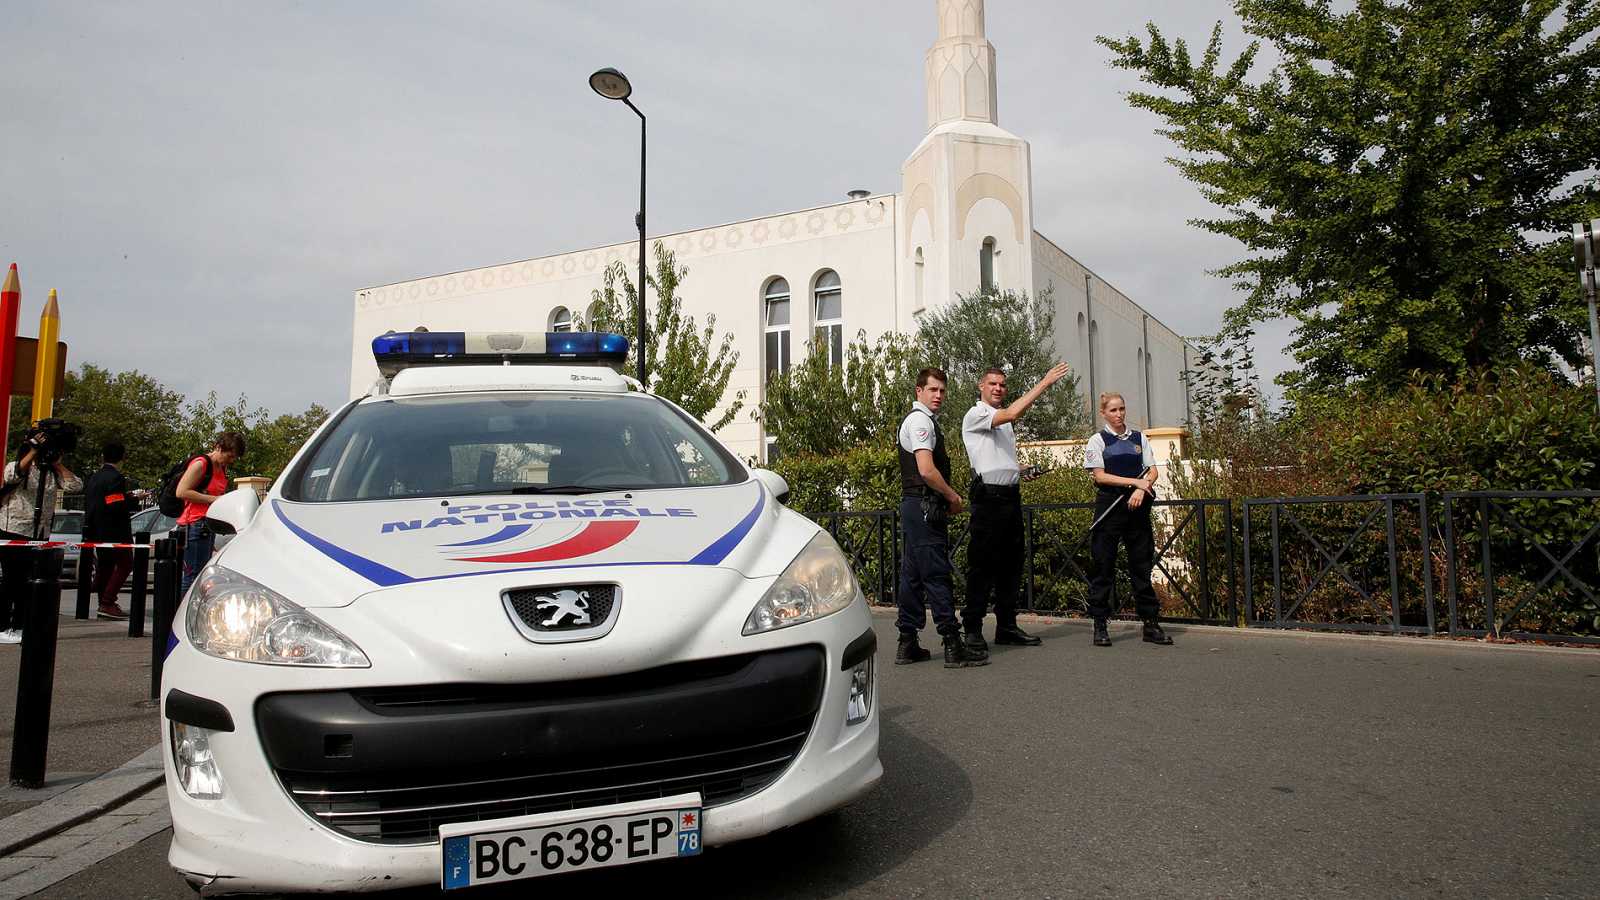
column 398, row 350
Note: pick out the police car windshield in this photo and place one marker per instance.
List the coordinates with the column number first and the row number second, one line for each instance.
column 439, row 446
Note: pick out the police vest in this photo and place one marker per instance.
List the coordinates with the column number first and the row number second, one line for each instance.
column 911, row 483
column 1123, row 457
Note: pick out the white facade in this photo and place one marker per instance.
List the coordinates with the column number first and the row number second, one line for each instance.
column 964, row 216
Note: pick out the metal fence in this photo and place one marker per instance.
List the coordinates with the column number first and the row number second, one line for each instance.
column 1366, row 563
column 1502, row 577
column 1523, row 564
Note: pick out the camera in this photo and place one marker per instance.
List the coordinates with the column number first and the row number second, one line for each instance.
column 52, row 439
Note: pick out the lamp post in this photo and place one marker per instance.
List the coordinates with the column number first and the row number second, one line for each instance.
column 1588, row 259
column 613, row 85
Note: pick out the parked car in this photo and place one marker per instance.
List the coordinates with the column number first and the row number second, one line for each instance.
column 159, row 525
column 153, row 522
column 67, row 525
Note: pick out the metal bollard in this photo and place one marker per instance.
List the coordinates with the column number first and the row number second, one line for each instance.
column 166, row 602
column 85, row 581
column 36, row 671
column 141, row 584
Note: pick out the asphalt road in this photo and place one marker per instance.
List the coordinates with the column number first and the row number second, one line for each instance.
column 1231, row 764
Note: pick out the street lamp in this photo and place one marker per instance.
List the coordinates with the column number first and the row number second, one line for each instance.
column 1587, row 257
column 613, row 85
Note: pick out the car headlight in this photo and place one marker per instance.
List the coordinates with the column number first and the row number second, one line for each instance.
column 234, row 617
column 818, row 583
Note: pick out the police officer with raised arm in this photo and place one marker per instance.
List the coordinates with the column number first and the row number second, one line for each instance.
column 994, row 556
column 927, row 501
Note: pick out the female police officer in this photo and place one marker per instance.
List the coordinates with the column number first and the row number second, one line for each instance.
column 1123, row 467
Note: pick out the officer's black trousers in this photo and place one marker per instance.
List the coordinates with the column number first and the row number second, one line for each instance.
column 924, row 573
column 1131, row 528
column 994, row 557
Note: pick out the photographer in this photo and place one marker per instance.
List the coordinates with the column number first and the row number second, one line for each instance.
column 42, row 449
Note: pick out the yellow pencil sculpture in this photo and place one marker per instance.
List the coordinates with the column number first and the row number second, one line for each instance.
column 44, row 373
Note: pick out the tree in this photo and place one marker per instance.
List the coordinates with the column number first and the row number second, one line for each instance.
column 819, row 408
column 273, row 442
column 1396, row 179
column 1011, row 330
column 130, row 407
column 203, row 420
column 685, row 365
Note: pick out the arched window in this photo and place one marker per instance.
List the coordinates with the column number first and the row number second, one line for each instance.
column 918, row 303
column 827, row 311
column 561, row 319
column 775, row 316
column 986, row 265
column 592, row 315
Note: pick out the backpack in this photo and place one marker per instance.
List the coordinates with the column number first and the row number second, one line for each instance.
column 169, row 501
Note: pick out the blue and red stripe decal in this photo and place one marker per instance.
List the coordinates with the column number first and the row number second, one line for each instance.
column 593, row 538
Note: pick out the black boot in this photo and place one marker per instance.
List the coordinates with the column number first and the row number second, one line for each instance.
column 956, row 655
column 1101, row 638
column 977, row 647
column 910, row 651
column 1016, row 637
column 1154, row 635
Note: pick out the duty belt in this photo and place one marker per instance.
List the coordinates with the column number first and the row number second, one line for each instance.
column 983, row 490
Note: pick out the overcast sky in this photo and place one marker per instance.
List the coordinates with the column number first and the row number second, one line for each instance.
column 207, row 184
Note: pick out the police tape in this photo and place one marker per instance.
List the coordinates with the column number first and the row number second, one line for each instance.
column 94, row 545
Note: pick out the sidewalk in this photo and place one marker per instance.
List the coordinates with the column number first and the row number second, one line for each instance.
column 100, row 714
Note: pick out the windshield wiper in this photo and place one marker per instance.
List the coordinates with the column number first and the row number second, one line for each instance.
column 560, row 489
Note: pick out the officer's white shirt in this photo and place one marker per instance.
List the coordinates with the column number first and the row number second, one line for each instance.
column 1094, row 450
column 916, row 430
column 992, row 450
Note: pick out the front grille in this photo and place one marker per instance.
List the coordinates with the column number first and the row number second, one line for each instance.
column 391, row 765
column 410, row 811
column 598, row 599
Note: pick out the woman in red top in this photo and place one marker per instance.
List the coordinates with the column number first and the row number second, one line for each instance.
column 197, row 497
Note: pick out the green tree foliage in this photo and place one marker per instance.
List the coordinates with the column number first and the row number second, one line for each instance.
column 1396, row 178
column 1011, row 330
column 687, row 364
column 274, row 441
column 158, row 427
column 817, row 408
column 128, row 406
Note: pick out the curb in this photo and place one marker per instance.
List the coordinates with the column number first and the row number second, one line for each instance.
column 82, row 803
column 1392, row 640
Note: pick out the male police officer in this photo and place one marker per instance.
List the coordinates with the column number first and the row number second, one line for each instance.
column 994, row 557
column 926, row 503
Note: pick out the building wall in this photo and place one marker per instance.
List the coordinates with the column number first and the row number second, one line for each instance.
column 1086, row 305
column 729, row 269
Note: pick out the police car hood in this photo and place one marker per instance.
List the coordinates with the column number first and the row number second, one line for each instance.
column 329, row 554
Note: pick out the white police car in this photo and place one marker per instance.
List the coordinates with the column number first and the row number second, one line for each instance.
column 509, row 617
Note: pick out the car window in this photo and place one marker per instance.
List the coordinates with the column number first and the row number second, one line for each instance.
column 152, row 521
column 67, row 523
column 491, row 443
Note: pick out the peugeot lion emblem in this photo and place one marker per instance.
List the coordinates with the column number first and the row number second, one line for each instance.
column 555, row 609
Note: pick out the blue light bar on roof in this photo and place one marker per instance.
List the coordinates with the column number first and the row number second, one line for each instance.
column 399, row 350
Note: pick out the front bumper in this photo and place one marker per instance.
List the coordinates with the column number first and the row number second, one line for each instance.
column 765, row 733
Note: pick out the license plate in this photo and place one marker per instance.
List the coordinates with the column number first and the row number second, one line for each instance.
column 527, row 847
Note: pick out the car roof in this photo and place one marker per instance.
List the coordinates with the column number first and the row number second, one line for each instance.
column 424, row 380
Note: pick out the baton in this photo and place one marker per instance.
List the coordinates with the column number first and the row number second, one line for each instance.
column 1100, row 518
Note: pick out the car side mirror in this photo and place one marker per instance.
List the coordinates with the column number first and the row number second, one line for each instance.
column 774, row 483
column 232, row 512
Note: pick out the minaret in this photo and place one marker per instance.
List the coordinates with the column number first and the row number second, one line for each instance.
column 965, row 211
column 959, row 67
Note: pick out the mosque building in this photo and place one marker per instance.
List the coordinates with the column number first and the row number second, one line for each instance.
column 962, row 220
